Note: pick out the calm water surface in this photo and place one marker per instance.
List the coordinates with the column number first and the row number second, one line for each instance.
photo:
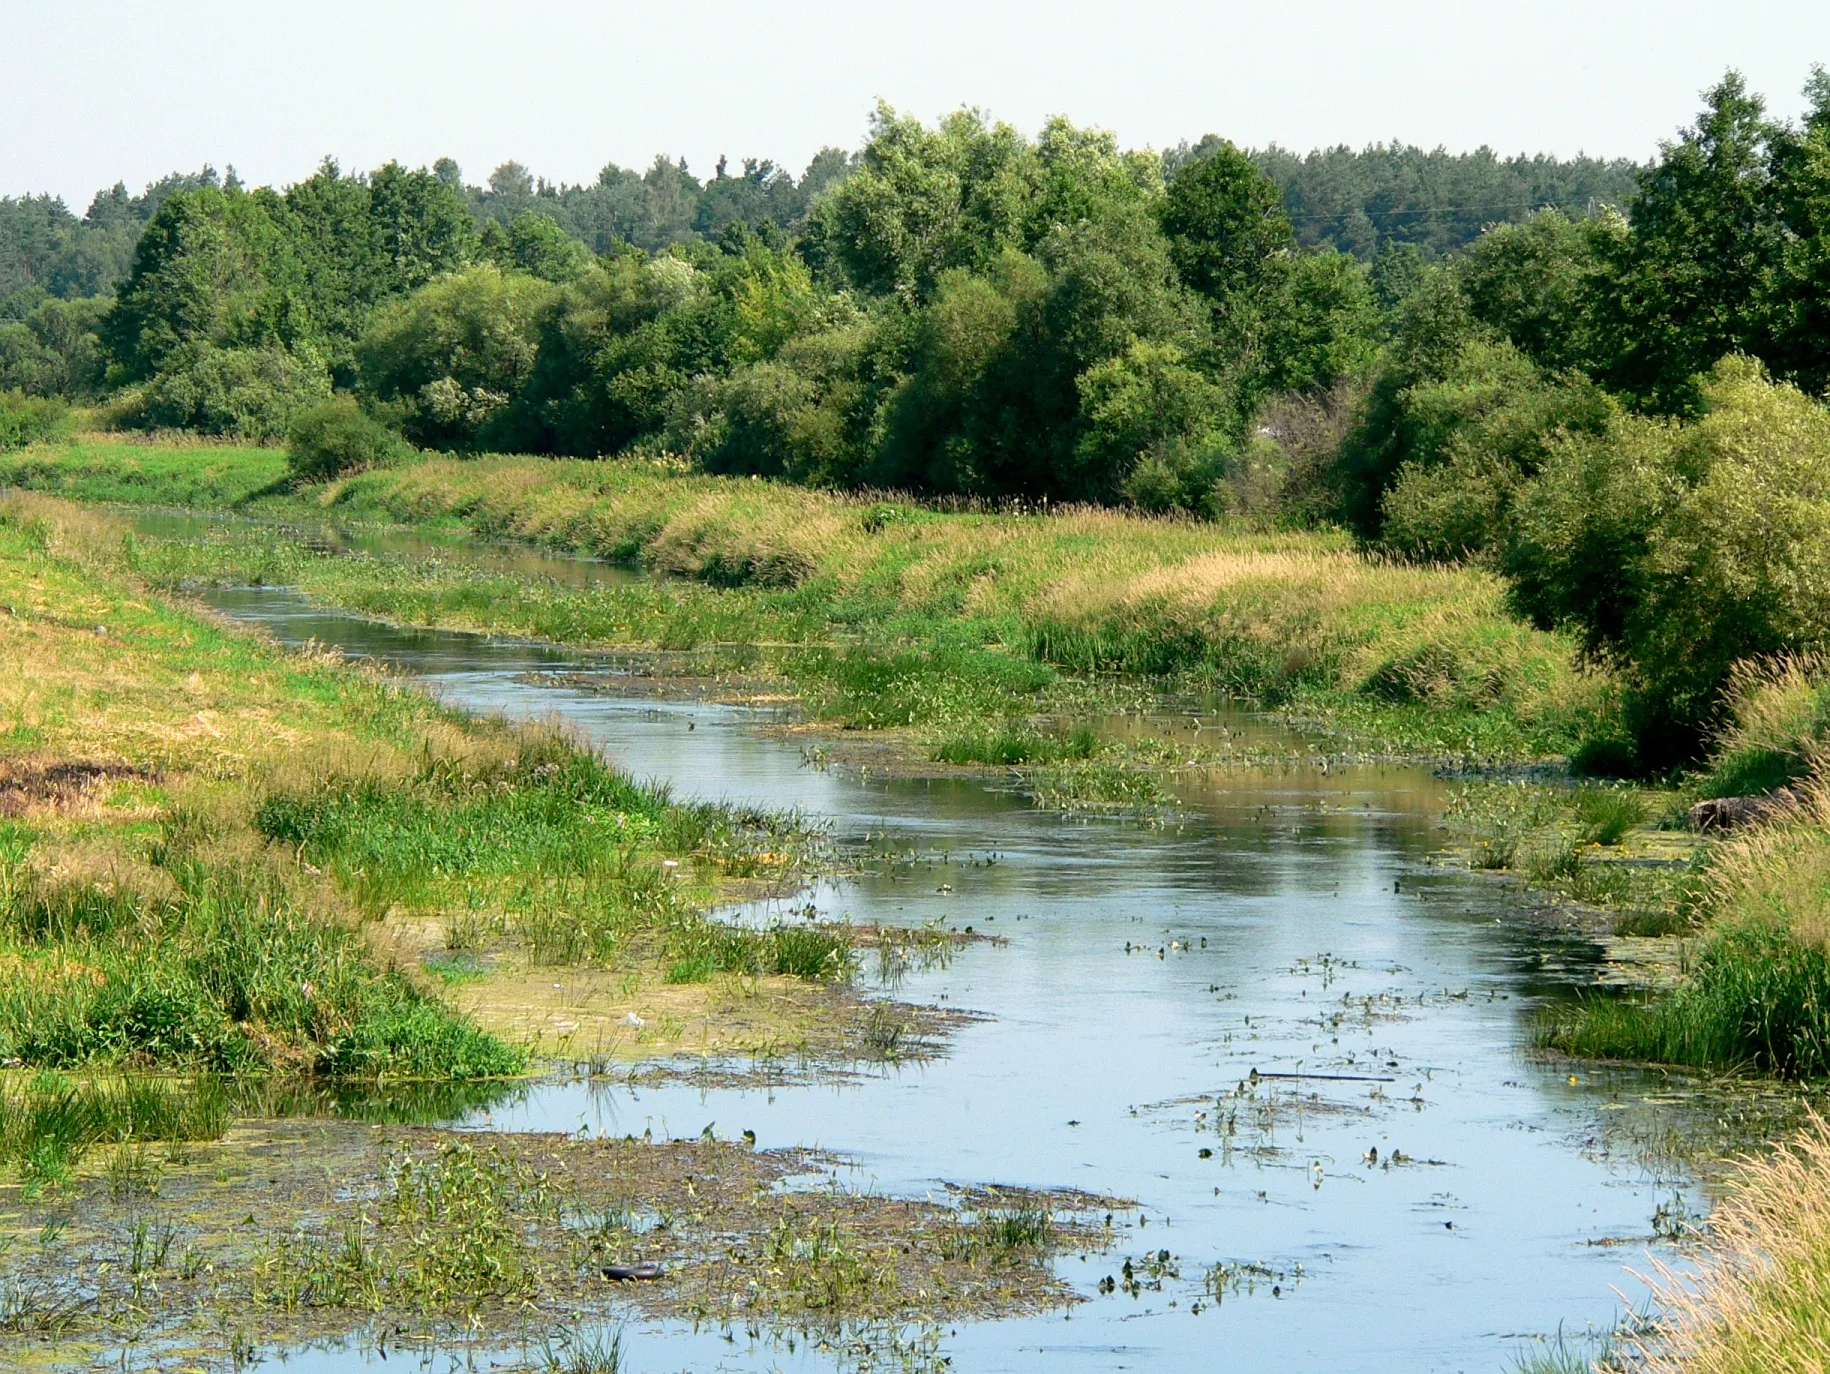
column 1290, row 924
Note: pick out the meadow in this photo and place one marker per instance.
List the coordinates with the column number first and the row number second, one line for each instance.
column 882, row 611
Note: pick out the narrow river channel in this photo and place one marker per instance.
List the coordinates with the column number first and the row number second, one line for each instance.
column 1288, row 923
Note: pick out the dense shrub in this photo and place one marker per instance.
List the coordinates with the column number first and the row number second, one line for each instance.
column 30, row 419
column 54, row 350
column 247, row 393
column 336, row 437
column 1681, row 550
column 453, row 355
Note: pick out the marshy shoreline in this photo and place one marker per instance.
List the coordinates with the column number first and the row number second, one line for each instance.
column 946, row 670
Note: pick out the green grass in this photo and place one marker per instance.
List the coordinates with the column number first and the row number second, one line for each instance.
column 926, row 617
column 1609, row 814
column 1011, row 745
column 224, row 971
column 49, row 1122
column 1758, row 999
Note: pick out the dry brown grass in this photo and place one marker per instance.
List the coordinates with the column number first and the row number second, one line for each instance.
column 1778, row 872
column 1761, row 1301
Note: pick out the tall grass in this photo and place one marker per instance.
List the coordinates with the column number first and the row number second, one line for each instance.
column 1762, row 1299
column 218, row 968
column 1779, row 727
column 50, row 1122
column 1429, row 655
column 1759, row 994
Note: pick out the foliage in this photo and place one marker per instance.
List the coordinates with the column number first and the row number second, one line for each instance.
column 54, row 350
column 1387, row 196
column 1681, row 550
column 337, row 437
column 225, row 281
column 449, row 359
column 27, row 419
column 246, row 393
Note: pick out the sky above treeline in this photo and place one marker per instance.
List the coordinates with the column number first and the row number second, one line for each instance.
column 97, row 90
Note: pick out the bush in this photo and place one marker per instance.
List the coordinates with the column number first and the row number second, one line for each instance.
column 30, row 419
column 246, row 393
column 337, row 437
column 454, row 354
column 1679, row 551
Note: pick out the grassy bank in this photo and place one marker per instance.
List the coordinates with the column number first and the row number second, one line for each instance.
column 257, row 908
column 895, row 609
column 1758, row 992
column 1761, row 1300
column 219, row 857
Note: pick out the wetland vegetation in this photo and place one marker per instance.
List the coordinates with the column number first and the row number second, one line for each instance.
column 966, row 445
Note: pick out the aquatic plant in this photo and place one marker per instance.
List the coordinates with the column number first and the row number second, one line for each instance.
column 1607, row 814
column 597, row 1352
column 1012, row 745
column 51, row 1122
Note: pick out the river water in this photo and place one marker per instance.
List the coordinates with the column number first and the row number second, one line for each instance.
column 1287, row 922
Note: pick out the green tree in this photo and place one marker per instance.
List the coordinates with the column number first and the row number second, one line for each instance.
column 924, row 200
column 534, row 243
column 449, row 359
column 1690, row 282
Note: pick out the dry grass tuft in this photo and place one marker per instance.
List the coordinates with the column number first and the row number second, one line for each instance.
column 1761, row 1302
column 1778, row 872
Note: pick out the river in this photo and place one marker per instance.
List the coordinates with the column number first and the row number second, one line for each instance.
column 1288, row 923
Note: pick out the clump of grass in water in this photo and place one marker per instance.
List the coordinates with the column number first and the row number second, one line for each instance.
column 598, row 1353
column 1008, row 746
column 452, row 1231
column 1608, row 814
column 1094, row 785
column 870, row 688
column 1758, row 999
column 886, row 1032
column 820, row 1268
column 701, row 948
column 1000, row 1234
column 50, row 1124
column 1564, row 1354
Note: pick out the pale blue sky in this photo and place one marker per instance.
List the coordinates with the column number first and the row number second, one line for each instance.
column 92, row 90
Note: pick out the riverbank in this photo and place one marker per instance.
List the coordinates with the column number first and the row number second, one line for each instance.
column 883, row 612
column 178, row 562
column 259, row 907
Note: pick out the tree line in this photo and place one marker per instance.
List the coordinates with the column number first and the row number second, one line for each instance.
column 1605, row 391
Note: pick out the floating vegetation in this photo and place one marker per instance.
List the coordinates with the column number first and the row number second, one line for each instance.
column 508, row 1234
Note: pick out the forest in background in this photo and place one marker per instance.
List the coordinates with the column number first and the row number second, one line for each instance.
column 1599, row 379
